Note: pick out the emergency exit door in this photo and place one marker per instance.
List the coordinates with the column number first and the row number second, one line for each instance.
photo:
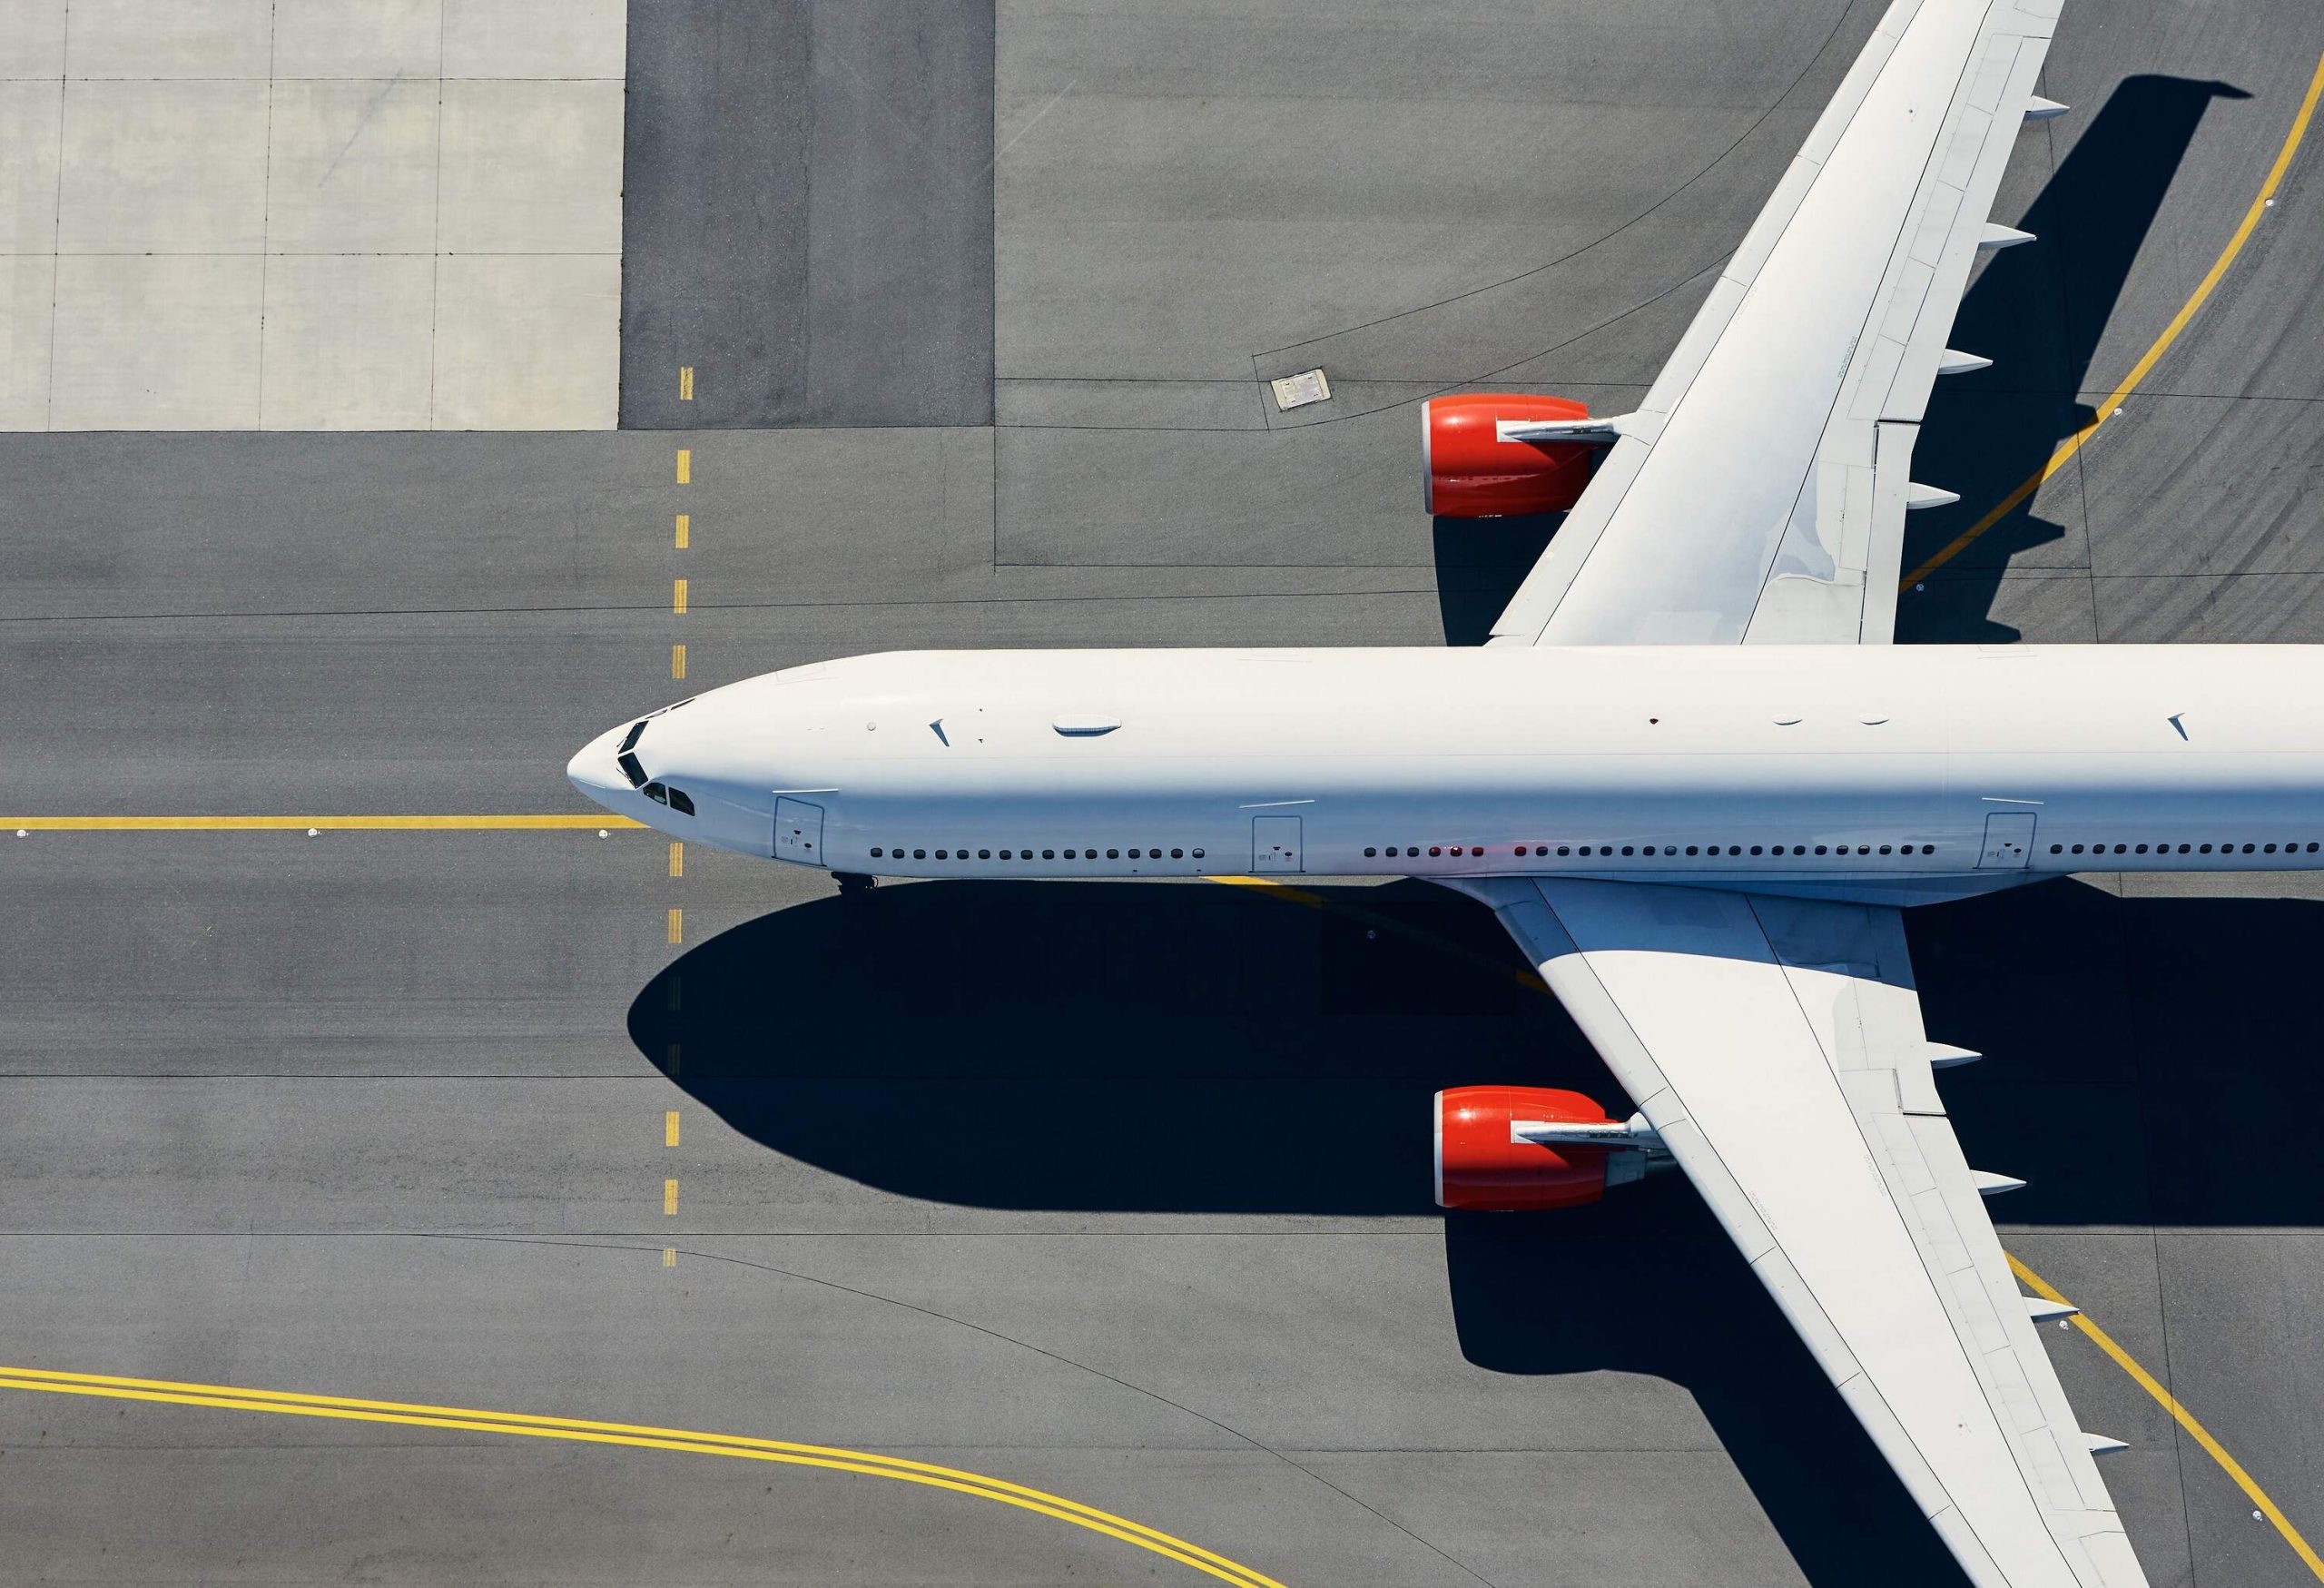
column 1274, row 843
column 2009, row 840
column 799, row 832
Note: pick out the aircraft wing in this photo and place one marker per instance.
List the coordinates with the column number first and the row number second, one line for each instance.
column 1758, row 494
column 1776, row 1045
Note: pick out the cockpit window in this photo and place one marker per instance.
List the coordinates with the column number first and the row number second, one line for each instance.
column 680, row 802
column 631, row 770
column 629, row 741
column 657, row 792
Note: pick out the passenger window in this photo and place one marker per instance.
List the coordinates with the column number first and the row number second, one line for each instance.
column 1113, row 854
column 919, row 855
column 1371, row 852
column 1197, row 855
column 1048, row 854
column 1177, row 854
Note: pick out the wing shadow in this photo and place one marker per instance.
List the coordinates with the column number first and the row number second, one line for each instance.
column 2039, row 312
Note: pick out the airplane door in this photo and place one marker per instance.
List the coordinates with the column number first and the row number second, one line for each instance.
column 1274, row 843
column 799, row 832
column 2009, row 840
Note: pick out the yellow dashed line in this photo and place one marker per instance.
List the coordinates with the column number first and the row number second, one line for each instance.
column 677, row 661
column 2072, row 444
column 677, row 858
column 468, row 1419
column 2181, row 1414
column 670, row 1128
column 685, row 466
column 685, row 530
column 685, row 383
column 678, row 596
column 669, row 1256
column 669, row 1199
column 677, row 924
column 673, row 1065
column 489, row 824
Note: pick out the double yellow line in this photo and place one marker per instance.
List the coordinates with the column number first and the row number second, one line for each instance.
column 472, row 1420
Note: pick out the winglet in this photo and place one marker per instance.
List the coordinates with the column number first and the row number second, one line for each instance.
column 1996, row 236
column 1918, row 495
column 1952, row 362
column 2102, row 1445
column 2041, row 1309
column 2038, row 108
column 1989, row 1184
column 1944, row 1056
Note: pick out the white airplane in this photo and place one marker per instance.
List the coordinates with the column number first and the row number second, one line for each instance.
column 1693, row 809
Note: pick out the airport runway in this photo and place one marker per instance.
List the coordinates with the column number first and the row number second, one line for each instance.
column 1119, row 1193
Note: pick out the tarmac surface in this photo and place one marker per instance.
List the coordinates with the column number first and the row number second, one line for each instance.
column 1116, row 1191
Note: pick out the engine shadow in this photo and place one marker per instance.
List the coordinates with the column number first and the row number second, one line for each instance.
column 2039, row 310
column 1480, row 563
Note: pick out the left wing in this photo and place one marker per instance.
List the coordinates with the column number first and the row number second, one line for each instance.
column 1758, row 494
column 1776, row 1046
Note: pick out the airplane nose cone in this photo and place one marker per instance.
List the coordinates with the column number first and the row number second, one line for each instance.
column 593, row 771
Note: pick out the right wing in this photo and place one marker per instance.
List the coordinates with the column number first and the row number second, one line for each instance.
column 1758, row 493
column 1775, row 1046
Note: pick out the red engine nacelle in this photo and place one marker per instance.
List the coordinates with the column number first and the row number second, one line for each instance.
column 1480, row 1165
column 1473, row 473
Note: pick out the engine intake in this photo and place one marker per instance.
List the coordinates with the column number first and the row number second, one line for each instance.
column 1522, row 1148
column 1473, row 472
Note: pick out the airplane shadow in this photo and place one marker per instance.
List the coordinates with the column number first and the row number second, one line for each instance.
column 1190, row 1048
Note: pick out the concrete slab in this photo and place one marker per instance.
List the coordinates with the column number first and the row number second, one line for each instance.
column 27, row 320
column 535, row 38
column 31, row 38
column 156, row 341
column 528, row 341
column 31, row 119
column 185, row 39
column 381, row 39
column 530, row 167
column 351, row 169
column 164, row 167
column 348, row 343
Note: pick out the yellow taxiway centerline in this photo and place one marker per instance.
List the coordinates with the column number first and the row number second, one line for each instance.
column 2147, row 361
column 470, row 1419
column 2182, row 1416
column 507, row 823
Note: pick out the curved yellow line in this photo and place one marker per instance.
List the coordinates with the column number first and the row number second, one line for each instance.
column 560, row 823
column 2072, row 444
column 2185, row 1418
column 469, row 1419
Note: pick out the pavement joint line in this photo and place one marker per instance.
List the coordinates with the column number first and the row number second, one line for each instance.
column 978, row 1485
column 2170, row 1403
column 2065, row 450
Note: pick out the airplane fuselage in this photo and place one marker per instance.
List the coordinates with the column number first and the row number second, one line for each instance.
column 1898, row 774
